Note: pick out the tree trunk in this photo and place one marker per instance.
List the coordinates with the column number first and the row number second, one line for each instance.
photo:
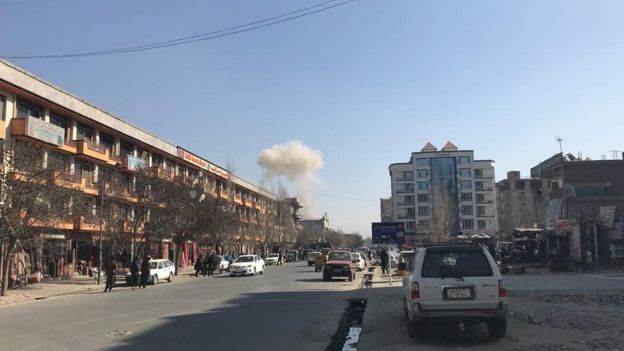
column 4, row 286
column 176, row 259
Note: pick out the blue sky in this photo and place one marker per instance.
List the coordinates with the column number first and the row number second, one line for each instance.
column 366, row 83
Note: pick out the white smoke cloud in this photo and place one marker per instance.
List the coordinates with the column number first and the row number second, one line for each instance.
column 298, row 163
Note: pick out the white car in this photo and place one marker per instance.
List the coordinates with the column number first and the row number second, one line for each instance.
column 160, row 269
column 459, row 283
column 272, row 258
column 223, row 264
column 247, row 264
column 360, row 261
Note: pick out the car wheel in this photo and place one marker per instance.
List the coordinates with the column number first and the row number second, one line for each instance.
column 497, row 328
column 351, row 277
column 254, row 272
column 262, row 271
column 232, row 274
column 326, row 277
column 155, row 279
column 170, row 279
column 414, row 329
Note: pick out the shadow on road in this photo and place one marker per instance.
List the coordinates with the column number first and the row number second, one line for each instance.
column 257, row 321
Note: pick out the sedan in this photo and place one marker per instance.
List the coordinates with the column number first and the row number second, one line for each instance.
column 272, row 258
column 247, row 264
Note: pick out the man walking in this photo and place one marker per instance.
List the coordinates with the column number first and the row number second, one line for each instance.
column 384, row 261
column 145, row 271
column 109, row 269
column 135, row 271
column 199, row 266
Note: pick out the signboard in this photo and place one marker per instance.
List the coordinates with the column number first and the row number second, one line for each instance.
column 44, row 131
column 134, row 163
column 607, row 216
column 388, row 233
column 53, row 236
column 201, row 163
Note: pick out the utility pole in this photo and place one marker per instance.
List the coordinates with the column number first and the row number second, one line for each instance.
column 101, row 222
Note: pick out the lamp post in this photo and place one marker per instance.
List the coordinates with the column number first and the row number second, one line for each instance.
column 101, row 233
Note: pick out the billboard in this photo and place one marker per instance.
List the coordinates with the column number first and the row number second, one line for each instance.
column 201, row 163
column 134, row 163
column 388, row 233
column 39, row 129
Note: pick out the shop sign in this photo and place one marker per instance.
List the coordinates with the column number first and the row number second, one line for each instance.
column 44, row 131
column 53, row 236
column 134, row 163
column 607, row 216
column 201, row 163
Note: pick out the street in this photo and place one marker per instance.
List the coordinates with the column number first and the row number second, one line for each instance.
column 289, row 307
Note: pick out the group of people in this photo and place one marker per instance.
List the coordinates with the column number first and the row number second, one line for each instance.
column 139, row 270
column 209, row 264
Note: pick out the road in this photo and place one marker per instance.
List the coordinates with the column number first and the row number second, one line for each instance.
column 288, row 308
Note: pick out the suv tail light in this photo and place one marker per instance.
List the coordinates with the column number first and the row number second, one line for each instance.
column 415, row 291
column 502, row 292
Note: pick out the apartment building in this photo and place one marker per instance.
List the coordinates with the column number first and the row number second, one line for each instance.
column 386, row 209
column 520, row 202
column 91, row 142
column 444, row 183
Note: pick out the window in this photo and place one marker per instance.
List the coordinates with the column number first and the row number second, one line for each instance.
column 467, row 223
column 480, row 224
column 156, row 160
column 458, row 263
column 423, row 186
column 406, row 188
column 466, row 210
column 60, row 122
column 466, row 184
column 519, row 184
column 423, row 197
column 478, row 172
column 423, row 211
column 26, row 109
column 84, row 132
column 522, row 195
column 125, row 148
column 422, row 174
column 466, row 196
column 409, row 175
column 464, row 173
column 480, row 198
column 463, row 160
column 2, row 107
column 424, row 224
column 408, row 200
column 479, row 186
column 422, row 162
column 58, row 161
column 480, row 210
column 108, row 142
column 409, row 226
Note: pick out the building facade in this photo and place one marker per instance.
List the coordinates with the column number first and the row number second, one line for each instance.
column 584, row 205
column 386, row 210
column 91, row 142
column 315, row 229
column 520, row 202
column 446, row 185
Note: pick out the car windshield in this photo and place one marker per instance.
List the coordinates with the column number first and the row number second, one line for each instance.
column 339, row 256
column 153, row 264
column 456, row 264
column 244, row 259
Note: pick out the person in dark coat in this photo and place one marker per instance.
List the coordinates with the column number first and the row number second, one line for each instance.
column 145, row 271
column 383, row 255
column 199, row 266
column 211, row 264
column 109, row 268
column 135, row 271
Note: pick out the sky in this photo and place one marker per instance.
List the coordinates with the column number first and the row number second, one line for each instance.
column 366, row 83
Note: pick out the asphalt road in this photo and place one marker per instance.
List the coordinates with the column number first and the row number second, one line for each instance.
column 287, row 308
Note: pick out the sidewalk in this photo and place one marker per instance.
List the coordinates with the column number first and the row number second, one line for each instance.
column 77, row 285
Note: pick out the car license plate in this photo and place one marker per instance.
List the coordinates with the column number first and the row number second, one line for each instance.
column 338, row 270
column 458, row 293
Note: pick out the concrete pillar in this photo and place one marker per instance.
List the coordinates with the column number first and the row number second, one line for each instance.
column 117, row 146
column 74, row 129
column 96, row 172
column 46, row 114
column 96, row 135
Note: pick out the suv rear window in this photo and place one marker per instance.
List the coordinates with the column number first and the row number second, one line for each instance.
column 471, row 263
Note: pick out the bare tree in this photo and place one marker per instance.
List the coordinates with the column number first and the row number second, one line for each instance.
column 35, row 193
column 444, row 221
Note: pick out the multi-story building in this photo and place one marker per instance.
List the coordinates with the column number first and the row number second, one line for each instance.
column 288, row 221
column 584, row 205
column 444, row 184
column 520, row 202
column 315, row 229
column 386, row 208
column 91, row 142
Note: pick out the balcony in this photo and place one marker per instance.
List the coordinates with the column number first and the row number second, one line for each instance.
column 86, row 224
column 163, row 173
column 238, row 199
column 222, row 193
column 120, row 192
column 94, row 151
column 405, row 191
column 88, row 186
column 405, row 179
column 127, row 227
column 243, row 218
column 406, row 204
column 2, row 130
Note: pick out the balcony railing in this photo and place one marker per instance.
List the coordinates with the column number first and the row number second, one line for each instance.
column 405, row 191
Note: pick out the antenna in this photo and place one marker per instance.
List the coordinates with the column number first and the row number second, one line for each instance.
column 560, row 140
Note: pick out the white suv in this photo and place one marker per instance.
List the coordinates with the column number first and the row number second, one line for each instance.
column 454, row 282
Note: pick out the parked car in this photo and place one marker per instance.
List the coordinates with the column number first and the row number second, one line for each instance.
column 360, row 261
column 339, row 264
column 458, row 283
column 247, row 264
column 312, row 257
column 292, row 256
column 224, row 264
column 272, row 258
column 159, row 269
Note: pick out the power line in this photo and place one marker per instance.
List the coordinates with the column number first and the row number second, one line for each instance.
column 200, row 37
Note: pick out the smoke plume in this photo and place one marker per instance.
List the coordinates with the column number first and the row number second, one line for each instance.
column 298, row 163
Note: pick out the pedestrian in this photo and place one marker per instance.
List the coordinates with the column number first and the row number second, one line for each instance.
column 384, row 262
column 109, row 269
column 210, row 264
column 198, row 266
column 145, row 271
column 135, row 270
column 279, row 258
